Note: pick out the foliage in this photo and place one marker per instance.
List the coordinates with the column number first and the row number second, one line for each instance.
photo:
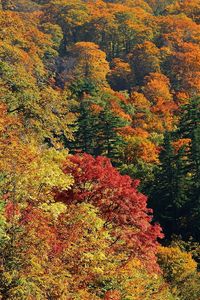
column 176, row 194
column 90, row 91
column 179, row 269
column 97, row 182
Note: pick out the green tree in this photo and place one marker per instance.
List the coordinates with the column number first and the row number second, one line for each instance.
column 189, row 128
column 98, row 126
column 175, row 192
column 167, row 196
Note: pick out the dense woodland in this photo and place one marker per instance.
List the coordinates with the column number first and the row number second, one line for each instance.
column 99, row 149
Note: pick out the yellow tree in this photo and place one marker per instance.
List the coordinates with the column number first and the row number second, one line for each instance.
column 28, row 170
column 145, row 59
column 27, row 86
column 185, row 71
column 89, row 62
column 180, row 271
column 157, row 90
column 190, row 8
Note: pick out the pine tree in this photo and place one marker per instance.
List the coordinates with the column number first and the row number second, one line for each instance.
column 175, row 195
column 166, row 196
column 108, row 140
column 190, row 128
column 98, row 125
column 85, row 137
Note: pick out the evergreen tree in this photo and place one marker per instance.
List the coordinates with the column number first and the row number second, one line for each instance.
column 97, row 124
column 167, row 195
column 175, row 194
column 108, row 139
column 85, row 137
column 190, row 128
column 97, row 131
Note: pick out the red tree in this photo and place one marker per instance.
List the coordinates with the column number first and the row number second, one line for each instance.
column 97, row 182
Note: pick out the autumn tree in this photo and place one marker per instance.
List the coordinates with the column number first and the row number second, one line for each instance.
column 27, row 86
column 116, row 78
column 185, row 68
column 120, row 77
column 69, row 16
column 190, row 8
column 145, row 59
column 98, row 183
column 87, row 61
column 180, row 270
column 157, row 90
column 67, row 250
column 159, row 6
column 28, row 257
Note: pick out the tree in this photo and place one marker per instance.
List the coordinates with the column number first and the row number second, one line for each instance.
column 28, row 171
column 87, row 61
column 101, row 116
column 99, row 183
column 180, row 270
column 157, row 90
column 169, row 195
column 26, row 83
column 20, row 5
column 69, row 16
column 29, row 263
column 189, row 128
column 145, row 59
column 176, row 193
column 186, row 68
column 159, row 6
column 120, row 75
column 191, row 9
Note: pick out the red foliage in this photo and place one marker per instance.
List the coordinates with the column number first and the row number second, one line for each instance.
column 96, row 181
column 39, row 224
column 11, row 210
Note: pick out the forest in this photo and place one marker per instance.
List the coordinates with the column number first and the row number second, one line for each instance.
column 100, row 149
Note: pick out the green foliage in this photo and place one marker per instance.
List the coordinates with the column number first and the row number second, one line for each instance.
column 98, row 126
column 175, row 197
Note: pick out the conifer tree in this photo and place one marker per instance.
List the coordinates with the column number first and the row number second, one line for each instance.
column 163, row 195
column 175, row 193
column 190, row 128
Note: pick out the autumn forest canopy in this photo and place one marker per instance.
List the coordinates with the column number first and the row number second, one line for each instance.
column 99, row 149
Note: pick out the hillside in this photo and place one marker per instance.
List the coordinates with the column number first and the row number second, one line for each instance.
column 99, row 149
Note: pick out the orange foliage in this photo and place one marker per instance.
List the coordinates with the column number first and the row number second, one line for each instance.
column 180, row 144
column 24, row 37
column 88, row 62
column 157, row 90
column 112, row 295
column 120, row 76
column 186, row 68
column 175, row 30
column 96, row 108
column 145, row 60
column 140, row 148
column 116, row 108
column 188, row 7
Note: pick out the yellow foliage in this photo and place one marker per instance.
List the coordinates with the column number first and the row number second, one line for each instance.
column 180, row 271
column 176, row 265
column 140, row 148
column 89, row 62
